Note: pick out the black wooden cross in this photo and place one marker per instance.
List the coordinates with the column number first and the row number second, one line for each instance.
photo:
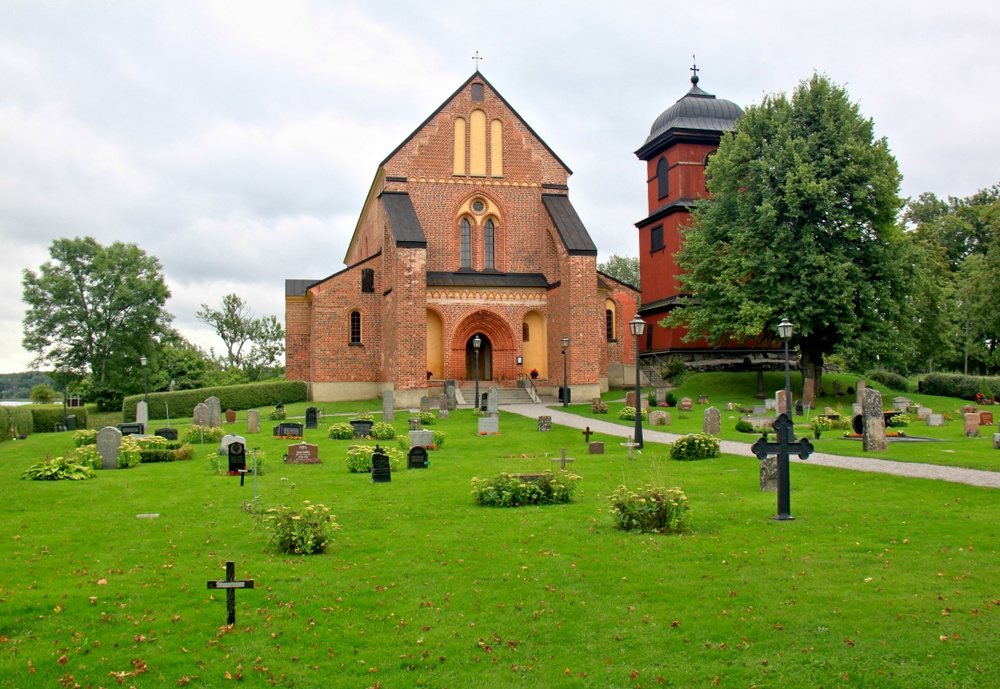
column 784, row 428
column 587, row 433
column 230, row 583
column 694, row 70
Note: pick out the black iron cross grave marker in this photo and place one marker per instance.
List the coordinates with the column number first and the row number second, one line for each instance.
column 230, row 583
column 587, row 433
column 785, row 430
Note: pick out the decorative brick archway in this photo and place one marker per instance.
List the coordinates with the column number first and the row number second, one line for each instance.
column 498, row 330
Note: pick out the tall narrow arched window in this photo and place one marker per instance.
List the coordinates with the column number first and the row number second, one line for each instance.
column 459, row 146
column 488, row 243
column 466, row 244
column 609, row 319
column 662, row 183
column 355, row 327
column 496, row 148
column 477, row 143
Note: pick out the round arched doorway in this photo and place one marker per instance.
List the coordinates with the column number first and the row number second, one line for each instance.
column 484, row 360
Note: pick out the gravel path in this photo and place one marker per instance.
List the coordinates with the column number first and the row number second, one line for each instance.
column 973, row 477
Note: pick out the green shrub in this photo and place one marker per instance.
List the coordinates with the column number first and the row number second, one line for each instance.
column 599, row 406
column 900, row 420
column 236, row 397
column 404, row 442
column 438, row 439
column 84, row 437
column 628, row 413
column 651, row 398
column 694, row 446
column 383, row 431
column 88, row 455
column 303, row 531
column 45, row 419
column 359, row 459
column 744, row 426
column 278, row 414
column 650, row 510
column 893, row 381
column 340, row 431
column 670, row 399
column 363, row 416
column 20, row 420
column 59, row 469
column 130, row 453
column 478, row 412
column 156, row 449
column 956, row 385
column 674, row 369
column 193, row 434
column 513, row 490
column 427, row 418
column 820, row 424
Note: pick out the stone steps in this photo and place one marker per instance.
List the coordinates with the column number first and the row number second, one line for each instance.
column 504, row 395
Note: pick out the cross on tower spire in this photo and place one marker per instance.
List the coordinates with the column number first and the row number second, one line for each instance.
column 477, row 58
column 694, row 71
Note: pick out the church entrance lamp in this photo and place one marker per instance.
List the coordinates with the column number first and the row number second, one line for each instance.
column 565, row 395
column 637, row 326
column 145, row 382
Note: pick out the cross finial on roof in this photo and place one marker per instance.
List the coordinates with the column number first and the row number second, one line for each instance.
column 694, row 71
column 477, row 59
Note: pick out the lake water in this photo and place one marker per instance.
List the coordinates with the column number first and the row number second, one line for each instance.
column 14, row 403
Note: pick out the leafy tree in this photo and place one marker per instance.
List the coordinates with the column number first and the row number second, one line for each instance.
column 95, row 309
column 252, row 344
column 801, row 223
column 42, row 394
column 622, row 268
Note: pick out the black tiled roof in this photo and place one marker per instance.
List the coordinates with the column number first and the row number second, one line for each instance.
column 298, row 288
column 403, row 220
column 442, row 279
column 697, row 113
column 569, row 226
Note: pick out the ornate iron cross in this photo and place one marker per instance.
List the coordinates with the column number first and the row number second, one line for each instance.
column 784, row 428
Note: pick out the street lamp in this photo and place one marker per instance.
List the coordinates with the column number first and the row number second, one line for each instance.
column 145, row 384
column 638, row 328
column 476, row 343
column 784, row 481
column 565, row 395
column 64, row 370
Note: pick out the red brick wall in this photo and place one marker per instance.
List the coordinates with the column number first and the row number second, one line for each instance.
column 297, row 344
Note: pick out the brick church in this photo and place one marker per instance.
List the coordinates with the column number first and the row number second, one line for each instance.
column 467, row 231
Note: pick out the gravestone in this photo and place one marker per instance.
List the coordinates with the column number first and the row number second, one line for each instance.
column 659, row 418
column 684, row 404
column 142, row 415
column 901, row 403
column 563, row 460
column 809, row 393
column 759, row 409
column 417, row 458
column 935, row 419
column 859, row 389
column 970, row 409
column 450, row 388
column 759, row 422
column 544, row 424
column 702, row 399
column 109, row 441
column 489, row 425
column 630, row 401
column 780, row 402
column 253, row 421
column 856, row 409
column 200, row 415
column 661, row 397
column 770, row 404
column 444, row 414
column 924, row 412
column 228, row 440
column 597, row 447
column 837, row 392
column 131, row 429
column 830, row 410
column 996, row 441
column 388, row 411
column 971, row 429
column 800, row 408
column 288, row 429
column 168, row 433
column 381, row 471
column 362, row 427
column 442, row 404
column 303, row 453
column 312, row 417
column 421, row 438
column 769, row 474
column 237, row 452
column 230, row 416
column 426, row 403
column 711, row 423
column 492, row 402
column 760, row 384
column 414, row 424
column 985, row 418
column 214, row 412
column 873, row 422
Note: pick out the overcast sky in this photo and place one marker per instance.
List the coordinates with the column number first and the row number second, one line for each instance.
column 236, row 141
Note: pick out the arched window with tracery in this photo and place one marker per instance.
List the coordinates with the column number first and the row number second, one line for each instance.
column 355, row 327
column 466, row 244
column 488, row 243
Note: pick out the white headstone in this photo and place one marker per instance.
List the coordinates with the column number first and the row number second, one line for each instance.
column 109, row 441
column 142, row 415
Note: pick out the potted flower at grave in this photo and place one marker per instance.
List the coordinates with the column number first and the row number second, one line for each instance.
column 429, row 374
column 534, row 373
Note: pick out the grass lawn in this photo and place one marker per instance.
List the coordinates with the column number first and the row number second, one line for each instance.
column 739, row 389
column 879, row 582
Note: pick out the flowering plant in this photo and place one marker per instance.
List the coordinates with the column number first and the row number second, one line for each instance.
column 512, row 490
column 302, row 531
column 534, row 373
column 650, row 509
column 694, row 446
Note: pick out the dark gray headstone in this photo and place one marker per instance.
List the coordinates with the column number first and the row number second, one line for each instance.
column 200, row 415
column 769, row 474
column 421, row 438
column 312, row 417
column 132, row 428
column 415, row 424
column 381, row 473
column 712, row 422
column 836, row 389
column 426, row 403
column 388, row 411
column 237, row 452
column 800, row 409
column 362, row 428
column 493, row 402
column 450, row 387
column 417, row 458
column 544, row 424
column 873, row 420
column 596, row 448
column 168, row 433
column 214, row 412
column 109, row 441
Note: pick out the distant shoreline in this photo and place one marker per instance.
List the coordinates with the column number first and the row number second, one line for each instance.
column 13, row 403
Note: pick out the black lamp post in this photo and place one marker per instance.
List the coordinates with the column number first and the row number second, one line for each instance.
column 638, row 328
column 476, row 344
column 784, row 483
column 565, row 395
column 64, row 370
column 145, row 384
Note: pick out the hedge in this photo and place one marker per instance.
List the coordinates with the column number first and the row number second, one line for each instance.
column 45, row 418
column 235, row 397
column 893, row 381
column 956, row 385
column 17, row 417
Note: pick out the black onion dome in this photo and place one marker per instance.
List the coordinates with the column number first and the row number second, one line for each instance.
column 698, row 111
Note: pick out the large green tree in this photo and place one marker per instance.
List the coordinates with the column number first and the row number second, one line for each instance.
column 622, row 268
column 96, row 309
column 801, row 224
column 252, row 344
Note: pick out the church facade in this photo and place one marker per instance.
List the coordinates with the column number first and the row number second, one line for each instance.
column 467, row 232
